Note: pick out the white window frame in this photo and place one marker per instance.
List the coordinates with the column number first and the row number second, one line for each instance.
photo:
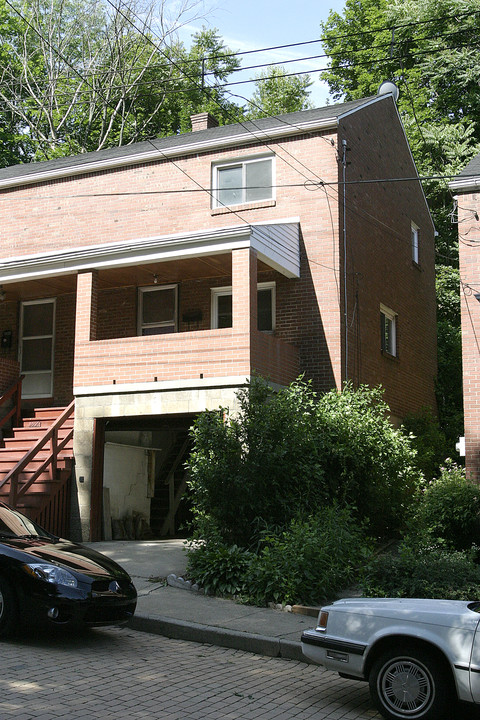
column 155, row 288
column 415, row 235
column 240, row 162
column 227, row 290
column 390, row 348
column 51, row 336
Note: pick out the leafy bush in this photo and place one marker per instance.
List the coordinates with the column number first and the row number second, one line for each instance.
column 219, row 568
column 287, row 453
column 429, row 441
column 449, row 508
column 257, row 468
column 309, row 562
column 424, row 571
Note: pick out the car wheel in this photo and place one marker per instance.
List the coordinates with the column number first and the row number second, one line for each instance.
column 410, row 683
column 8, row 609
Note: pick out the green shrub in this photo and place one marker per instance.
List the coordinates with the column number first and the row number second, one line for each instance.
column 449, row 508
column 309, row 562
column 421, row 570
column 220, row 569
column 287, row 453
column 429, row 441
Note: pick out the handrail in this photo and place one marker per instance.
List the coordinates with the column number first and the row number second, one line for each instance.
column 55, row 447
column 16, row 409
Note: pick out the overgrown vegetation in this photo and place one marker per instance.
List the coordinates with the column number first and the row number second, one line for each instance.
column 296, row 496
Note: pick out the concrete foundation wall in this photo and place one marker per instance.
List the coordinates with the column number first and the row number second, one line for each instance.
column 130, row 404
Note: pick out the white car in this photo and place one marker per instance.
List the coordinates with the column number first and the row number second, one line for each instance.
column 417, row 655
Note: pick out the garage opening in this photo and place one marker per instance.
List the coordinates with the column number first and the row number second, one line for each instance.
column 145, row 492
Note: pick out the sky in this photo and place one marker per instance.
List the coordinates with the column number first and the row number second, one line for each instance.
column 254, row 24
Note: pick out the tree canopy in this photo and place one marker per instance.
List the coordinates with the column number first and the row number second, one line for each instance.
column 82, row 75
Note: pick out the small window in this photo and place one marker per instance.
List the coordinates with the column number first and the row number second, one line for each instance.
column 222, row 307
column 243, row 182
column 388, row 330
column 415, row 242
column 157, row 310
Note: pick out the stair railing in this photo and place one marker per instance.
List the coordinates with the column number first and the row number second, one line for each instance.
column 15, row 392
column 50, row 436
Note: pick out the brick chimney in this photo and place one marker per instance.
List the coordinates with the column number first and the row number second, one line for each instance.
column 203, row 121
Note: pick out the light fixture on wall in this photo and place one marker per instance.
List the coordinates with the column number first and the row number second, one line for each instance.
column 155, row 279
column 3, row 294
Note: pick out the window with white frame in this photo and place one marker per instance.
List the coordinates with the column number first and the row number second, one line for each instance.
column 157, row 310
column 242, row 181
column 415, row 242
column 222, row 307
column 388, row 330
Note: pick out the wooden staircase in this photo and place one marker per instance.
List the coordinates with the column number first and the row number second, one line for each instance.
column 36, row 467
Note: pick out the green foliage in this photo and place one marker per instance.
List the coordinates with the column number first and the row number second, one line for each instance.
column 449, row 509
column 220, row 569
column 287, row 453
column 258, row 468
column 367, row 463
column 424, row 570
column 429, row 441
column 277, row 93
column 310, row 562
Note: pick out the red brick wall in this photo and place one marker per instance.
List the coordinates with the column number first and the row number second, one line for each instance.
column 90, row 210
column 469, row 228
column 379, row 263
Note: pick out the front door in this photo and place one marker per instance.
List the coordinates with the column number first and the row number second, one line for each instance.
column 37, row 336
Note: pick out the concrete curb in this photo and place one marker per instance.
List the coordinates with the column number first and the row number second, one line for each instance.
column 223, row 637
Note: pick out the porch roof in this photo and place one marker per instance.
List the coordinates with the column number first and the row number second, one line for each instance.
column 277, row 245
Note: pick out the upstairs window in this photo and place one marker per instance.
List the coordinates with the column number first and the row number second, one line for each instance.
column 415, row 242
column 157, row 310
column 241, row 182
column 222, row 307
column 388, row 331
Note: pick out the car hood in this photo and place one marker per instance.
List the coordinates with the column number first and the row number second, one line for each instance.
column 452, row 613
column 74, row 556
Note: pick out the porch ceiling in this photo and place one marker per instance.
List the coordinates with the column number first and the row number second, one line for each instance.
column 215, row 266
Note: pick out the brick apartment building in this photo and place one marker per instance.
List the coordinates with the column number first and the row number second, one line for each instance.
column 149, row 282
column 467, row 188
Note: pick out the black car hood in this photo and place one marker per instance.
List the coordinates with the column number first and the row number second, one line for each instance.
column 76, row 557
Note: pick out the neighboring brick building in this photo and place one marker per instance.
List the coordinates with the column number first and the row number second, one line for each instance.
column 467, row 188
column 151, row 281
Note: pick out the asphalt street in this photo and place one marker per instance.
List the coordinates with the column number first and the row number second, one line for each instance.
column 120, row 674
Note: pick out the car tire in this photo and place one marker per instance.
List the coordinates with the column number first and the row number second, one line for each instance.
column 410, row 683
column 8, row 609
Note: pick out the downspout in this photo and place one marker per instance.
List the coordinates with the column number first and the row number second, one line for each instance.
column 345, row 296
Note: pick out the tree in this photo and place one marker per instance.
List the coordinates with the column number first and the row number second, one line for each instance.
column 425, row 47
column 277, row 93
column 81, row 75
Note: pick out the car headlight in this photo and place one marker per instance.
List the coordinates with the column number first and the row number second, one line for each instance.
column 51, row 573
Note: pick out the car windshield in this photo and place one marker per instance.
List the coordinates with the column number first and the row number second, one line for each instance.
column 14, row 524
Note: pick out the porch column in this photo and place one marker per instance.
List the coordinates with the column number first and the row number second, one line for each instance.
column 83, row 437
column 87, row 303
column 244, row 290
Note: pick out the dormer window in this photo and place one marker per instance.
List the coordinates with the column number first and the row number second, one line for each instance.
column 242, row 181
